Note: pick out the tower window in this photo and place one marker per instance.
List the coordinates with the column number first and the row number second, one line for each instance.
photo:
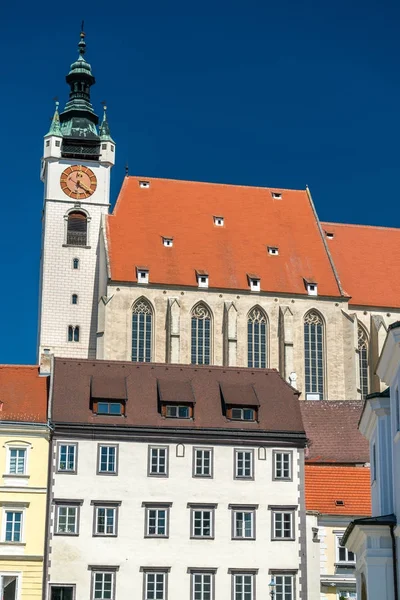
column 58, row 143
column 104, row 146
column 73, row 333
column 75, row 263
column 112, row 148
column 47, row 143
column 74, row 298
column 77, row 229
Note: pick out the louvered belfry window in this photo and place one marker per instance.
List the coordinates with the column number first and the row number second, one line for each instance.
column 77, row 229
column 314, row 356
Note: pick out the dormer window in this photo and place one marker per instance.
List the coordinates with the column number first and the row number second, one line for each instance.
column 109, row 408
column 254, row 282
column 168, row 242
column 219, row 221
column 202, row 279
column 144, row 184
column 329, row 235
column 273, row 250
column 276, row 195
column 311, row 287
column 242, row 414
column 178, row 411
column 142, row 274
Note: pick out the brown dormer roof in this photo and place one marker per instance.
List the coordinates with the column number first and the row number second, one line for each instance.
column 278, row 414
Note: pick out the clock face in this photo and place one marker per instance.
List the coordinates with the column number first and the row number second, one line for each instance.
column 78, row 182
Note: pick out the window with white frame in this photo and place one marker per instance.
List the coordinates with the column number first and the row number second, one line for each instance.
column 155, row 585
column 202, row 462
column 158, row 461
column 342, row 554
column 202, row 522
column 67, row 458
column 284, row 587
column 17, row 460
column 202, row 585
column 105, row 520
column 107, row 460
column 67, row 519
column 282, row 525
column 243, row 524
column 142, row 327
column 244, row 464
column 282, row 465
column 13, row 520
column 103, row 585
column 243, row 586
column 157, row 521
column 314, row 364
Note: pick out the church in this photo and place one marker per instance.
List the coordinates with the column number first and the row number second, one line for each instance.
column 188, row 272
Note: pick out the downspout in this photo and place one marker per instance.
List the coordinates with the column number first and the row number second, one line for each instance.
column 394, row 551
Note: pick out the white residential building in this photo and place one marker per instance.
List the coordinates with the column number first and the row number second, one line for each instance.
column 376, row 540
column 173, row 481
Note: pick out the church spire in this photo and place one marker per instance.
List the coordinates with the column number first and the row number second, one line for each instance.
column 105, row 134
column 55, row 127
column 78, row 120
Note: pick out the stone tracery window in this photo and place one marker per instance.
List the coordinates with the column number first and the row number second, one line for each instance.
column 363, row 361
column 257, row 338
column 201, row 335
column 142, row 329
column 314, row 356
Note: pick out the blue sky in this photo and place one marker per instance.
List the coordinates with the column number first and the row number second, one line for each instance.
column 280, row 94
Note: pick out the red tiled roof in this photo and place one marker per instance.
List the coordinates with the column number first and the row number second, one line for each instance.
column 367, row 260
column 332, row 430
column 325, row 485
column 23, row 394
column 253, row 220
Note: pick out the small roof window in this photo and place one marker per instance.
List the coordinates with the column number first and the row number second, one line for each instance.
column 274, row 250
column 330, row 235
column 202, row 278
column 142, row 274
column 311, row 287
column 144, row 184
column 219, row 221
column 276, row 195
column 254, row 282
column 168, row 241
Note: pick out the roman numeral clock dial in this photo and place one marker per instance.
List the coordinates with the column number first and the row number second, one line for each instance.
column 78, row 182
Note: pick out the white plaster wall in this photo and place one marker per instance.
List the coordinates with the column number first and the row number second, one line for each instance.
column 313, row 559
column 70, row 556
column 59, row 279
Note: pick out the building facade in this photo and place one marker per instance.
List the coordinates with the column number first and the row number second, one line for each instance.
column 337, row 485
column 24, row 450
column 376, row 540
column 175, row 481
column 186, row 272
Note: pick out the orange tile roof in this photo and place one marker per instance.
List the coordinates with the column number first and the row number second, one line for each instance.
column 325, row 485
column 23, row 394
column 367, row 260
column 253, row 220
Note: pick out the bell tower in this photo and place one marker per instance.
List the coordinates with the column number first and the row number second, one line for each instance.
column 78, row 155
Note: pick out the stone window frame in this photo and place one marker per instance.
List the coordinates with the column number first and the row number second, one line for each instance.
column 243, row 508
column 243, row 572
column 194, row 461
column 292, row 510
column 148, row 506
column 107, row 473
column 156, row 571
column 236, row 452
column 202, row 507
column 95, row 569
column 114, row 504
column 156, row 447
column 64, row 503
column 193, row 571
column 275, row 452
column 324, row 393
column 58, row 455
column 136, row 304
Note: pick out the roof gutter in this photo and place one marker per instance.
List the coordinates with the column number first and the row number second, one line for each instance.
column 342, row 292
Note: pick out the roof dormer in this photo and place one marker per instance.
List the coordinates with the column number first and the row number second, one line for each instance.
column 202, row 279
column 142, row 275
column 311, row 287
column 254, row 282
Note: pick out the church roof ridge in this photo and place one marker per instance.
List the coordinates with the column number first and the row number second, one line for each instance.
column 216, row 183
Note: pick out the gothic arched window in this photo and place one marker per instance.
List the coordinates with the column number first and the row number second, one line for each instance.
column 77, row 228
column 201, row 335
column 257, row 338
column 363, row 361
column 142, row 326
column 314, row 356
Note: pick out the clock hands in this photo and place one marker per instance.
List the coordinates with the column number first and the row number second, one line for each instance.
column 85, row 187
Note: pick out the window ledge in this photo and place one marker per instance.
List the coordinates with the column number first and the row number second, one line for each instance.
column 13, row 544
column 16, row 475
column 76, row 246
column 64, row 533
column 347, row 565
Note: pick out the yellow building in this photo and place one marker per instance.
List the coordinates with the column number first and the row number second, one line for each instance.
column 24, row 448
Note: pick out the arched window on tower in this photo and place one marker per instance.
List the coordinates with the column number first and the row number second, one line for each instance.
column 363, row 361
column 77, row 228
column 314, row 360
column 201, row 335
column 73, row 333
column 257, row 338
column 142, row 330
